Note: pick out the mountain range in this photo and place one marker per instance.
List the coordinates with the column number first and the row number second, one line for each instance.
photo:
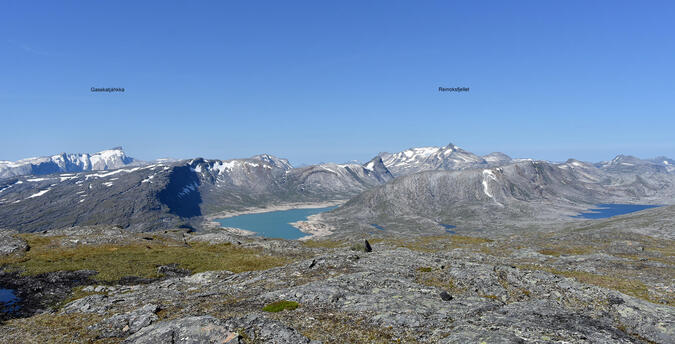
column 64, row 163
column 515, row 195
column 171, row 194
column 631, row 164
column 424, row 185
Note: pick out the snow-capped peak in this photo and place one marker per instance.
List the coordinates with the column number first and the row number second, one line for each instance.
column 274, row 161
column 414, row 160
column 103, row 160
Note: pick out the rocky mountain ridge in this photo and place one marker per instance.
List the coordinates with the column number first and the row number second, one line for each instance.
column 630, row 164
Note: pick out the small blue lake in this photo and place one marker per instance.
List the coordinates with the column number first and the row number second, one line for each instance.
column 8, row 301
column 377, row 226
column 608, row 210
column 273, row 224
column 448, row 228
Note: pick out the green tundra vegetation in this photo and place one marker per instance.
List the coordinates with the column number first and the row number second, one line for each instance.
column 279, row 306
column 113, row 262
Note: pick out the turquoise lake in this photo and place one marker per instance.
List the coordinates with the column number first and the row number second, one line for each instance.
column 273, row 224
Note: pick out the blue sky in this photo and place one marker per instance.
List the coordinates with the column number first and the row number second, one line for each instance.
column 335, row 81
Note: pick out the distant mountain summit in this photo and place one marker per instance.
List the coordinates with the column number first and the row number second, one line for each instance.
column 379, row 169
column 274, row 161
column 449, row 158
column 497, row 158
column 668, row 163
column 630, row 164
column 62, row 163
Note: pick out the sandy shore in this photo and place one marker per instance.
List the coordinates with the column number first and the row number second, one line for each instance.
column 311, row 226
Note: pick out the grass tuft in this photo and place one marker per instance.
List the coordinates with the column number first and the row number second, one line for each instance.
column 54, row 328
column 279, row 306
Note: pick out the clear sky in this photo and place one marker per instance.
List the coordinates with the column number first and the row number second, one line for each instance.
column 335, row 81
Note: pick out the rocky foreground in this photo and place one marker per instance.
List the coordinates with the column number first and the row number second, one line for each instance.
column 589, row 284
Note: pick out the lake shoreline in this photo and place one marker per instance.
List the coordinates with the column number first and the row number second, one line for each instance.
column 312, row 231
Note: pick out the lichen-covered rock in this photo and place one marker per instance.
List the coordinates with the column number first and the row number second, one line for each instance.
column 172, row 270
column 10, row 244
column 264, row 330
column 208, row 329
column 189, row 330
column 96, row 303
column 122, row 325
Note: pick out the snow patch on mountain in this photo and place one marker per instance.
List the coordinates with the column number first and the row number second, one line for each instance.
column 39, row 193
column 273, row 161
column 487, row 174
column 187, row 189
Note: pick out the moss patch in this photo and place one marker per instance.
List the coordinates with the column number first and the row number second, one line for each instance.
column 50, row 328
column 627, row 286
column 337, row 327
column 436, row 279
column 279, row 306
column 138, row 259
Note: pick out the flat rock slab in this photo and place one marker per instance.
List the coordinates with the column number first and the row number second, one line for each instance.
column 207, row 329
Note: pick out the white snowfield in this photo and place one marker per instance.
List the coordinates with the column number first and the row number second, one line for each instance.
column 38, row 194
column 148, row 179
column 228, row 166
column 343, row 169
column 32, row 180
column 432, row 158
column 413, row 154
column 112, row 173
